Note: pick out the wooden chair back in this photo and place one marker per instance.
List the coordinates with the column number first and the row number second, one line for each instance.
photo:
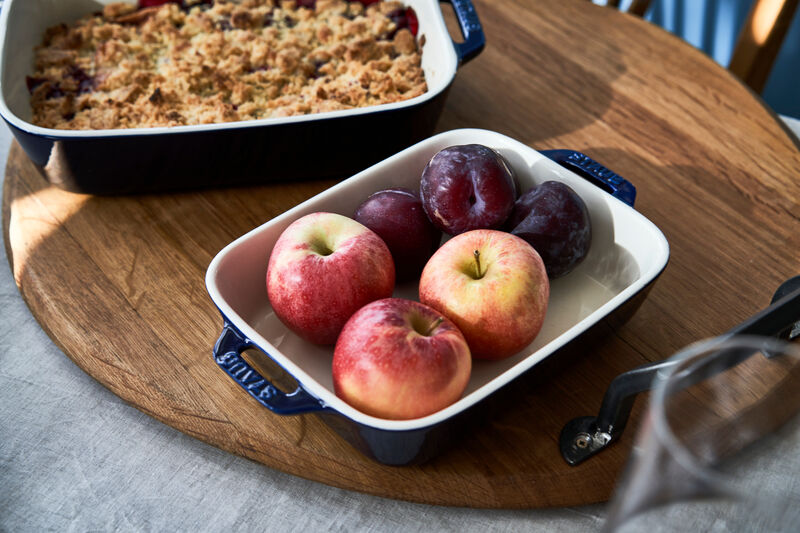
column 759, row 40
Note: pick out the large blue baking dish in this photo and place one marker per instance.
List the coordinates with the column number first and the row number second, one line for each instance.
column 627, row 254
column 323, row 145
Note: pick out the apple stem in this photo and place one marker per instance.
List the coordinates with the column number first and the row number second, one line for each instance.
column 434, row 326
column 477, row 255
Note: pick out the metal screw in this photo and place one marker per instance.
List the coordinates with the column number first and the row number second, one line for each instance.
column 583, row 440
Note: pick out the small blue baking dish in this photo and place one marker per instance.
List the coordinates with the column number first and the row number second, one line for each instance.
column 323, row 145
column 627, row 254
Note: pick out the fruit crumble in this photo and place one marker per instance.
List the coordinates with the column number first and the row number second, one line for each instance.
column 209, row 61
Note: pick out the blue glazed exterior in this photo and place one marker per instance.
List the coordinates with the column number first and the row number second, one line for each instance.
column 471, row 29
column 393, row 447
column 228, row 355
column 588, row 168
column 388, row 447
column 319, row 149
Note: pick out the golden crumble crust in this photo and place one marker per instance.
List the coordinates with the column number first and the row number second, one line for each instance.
column 222, row 62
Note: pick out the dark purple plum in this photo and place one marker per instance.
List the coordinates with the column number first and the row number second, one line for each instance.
column 554, row 220
column 396, row 215
column 467, row 187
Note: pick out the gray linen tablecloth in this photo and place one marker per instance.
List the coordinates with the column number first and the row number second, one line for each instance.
column 74, row 457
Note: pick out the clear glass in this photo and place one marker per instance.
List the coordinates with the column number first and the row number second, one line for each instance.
column 719, row 446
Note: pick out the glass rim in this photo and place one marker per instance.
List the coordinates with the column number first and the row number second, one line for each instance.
column 715, row 347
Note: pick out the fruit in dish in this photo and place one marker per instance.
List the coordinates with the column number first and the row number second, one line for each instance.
column 323, row 268
column 212, row 61
column 397, row 216
column 483, row 294
column 493, row 286
column 467, row 187
column 553, row 218
column 399, row 359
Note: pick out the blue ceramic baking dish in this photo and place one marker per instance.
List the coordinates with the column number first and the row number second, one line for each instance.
column 323, row 145
column 627, row 254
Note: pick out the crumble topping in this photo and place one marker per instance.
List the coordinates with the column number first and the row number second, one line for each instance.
column 212, row 61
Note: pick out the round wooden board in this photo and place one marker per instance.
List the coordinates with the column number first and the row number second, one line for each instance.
column 118, row 283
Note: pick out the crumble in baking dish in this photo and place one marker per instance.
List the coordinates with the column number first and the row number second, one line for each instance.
column 213, row 61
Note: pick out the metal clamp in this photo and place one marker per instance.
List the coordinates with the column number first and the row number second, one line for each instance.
column 585, row 436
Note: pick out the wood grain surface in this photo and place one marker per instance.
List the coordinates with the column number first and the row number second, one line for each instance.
column 118, row 283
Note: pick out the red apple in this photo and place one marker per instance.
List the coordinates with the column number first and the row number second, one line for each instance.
column 493, row 286
column 399, row 359
column 325, row 267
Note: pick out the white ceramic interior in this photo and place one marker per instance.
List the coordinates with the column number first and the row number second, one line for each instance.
column 628, row 252
column 23, row 22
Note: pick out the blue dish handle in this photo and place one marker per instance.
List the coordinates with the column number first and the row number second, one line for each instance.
column 593, row 171
column 228, row 355
column 471, row 30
